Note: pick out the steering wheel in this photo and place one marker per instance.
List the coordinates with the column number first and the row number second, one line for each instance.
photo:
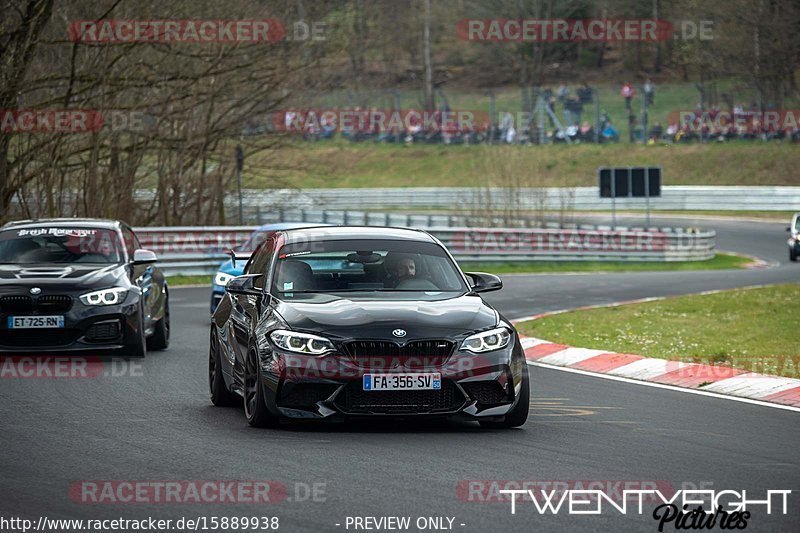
column 416, row 284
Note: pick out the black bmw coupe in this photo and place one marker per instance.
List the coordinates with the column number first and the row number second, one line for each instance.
column 346, row 322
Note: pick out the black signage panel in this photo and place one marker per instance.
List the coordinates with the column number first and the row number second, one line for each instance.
column 629, row 182
column 605, row 183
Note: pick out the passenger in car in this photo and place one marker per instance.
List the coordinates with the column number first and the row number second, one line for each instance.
column 406, row 268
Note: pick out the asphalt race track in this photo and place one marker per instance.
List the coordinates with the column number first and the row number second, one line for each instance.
column 155, row 423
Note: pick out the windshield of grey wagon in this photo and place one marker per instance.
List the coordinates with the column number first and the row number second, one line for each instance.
column 54, row 244
column 372, row 266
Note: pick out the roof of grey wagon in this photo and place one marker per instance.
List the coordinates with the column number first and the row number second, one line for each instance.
column 341, row 233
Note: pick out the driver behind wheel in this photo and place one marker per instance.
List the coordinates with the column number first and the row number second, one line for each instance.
column 399, row 267
column 25, row 251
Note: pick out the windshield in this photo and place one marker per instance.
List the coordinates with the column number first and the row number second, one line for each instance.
column 60, row 245
column 369, row 267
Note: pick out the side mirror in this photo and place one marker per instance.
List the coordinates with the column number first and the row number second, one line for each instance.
column 144, row 257
column 483, row 282
column 788, row 228
column 244, row 285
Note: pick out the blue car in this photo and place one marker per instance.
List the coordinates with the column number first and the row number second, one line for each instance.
column 229, row 269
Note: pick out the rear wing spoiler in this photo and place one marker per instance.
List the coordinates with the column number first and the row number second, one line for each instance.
column 238, row 256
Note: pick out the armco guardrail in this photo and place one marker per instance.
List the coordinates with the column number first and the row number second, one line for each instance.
column 674, row 197
column 264, row 205
column 579, row 198
column 582, row 244
column 199, row 250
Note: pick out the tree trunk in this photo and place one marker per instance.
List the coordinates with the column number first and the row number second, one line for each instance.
column 14, row 63
column 426, row 45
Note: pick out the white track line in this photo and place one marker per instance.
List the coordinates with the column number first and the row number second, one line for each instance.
column 668, row 387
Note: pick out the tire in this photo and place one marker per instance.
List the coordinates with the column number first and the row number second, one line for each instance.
column 220, row 395
column 138, row 348
column 519, row 414
column 792, row 255
column 159, row 340
column 255, row 408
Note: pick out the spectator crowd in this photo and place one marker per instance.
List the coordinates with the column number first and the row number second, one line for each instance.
column 558, row 116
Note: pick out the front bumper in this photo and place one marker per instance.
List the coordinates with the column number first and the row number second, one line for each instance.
column 474, row 386
column 96, row 329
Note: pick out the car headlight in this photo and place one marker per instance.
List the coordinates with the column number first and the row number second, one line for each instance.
column 486, row 341
column 301, row 342
column 222, row 278
column 105, row 296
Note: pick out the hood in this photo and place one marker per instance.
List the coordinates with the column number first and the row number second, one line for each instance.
column 63, row 276
column 376, row 319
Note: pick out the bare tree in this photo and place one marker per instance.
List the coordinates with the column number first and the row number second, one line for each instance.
column 192, row 102
column 22, row 25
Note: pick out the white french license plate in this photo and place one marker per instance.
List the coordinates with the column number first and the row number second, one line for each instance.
column 415, row 381
column 35, row 322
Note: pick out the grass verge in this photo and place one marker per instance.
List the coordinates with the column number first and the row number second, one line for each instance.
column 753, row 329
column 340, row 163
column 176, row 280
column 719, row 262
